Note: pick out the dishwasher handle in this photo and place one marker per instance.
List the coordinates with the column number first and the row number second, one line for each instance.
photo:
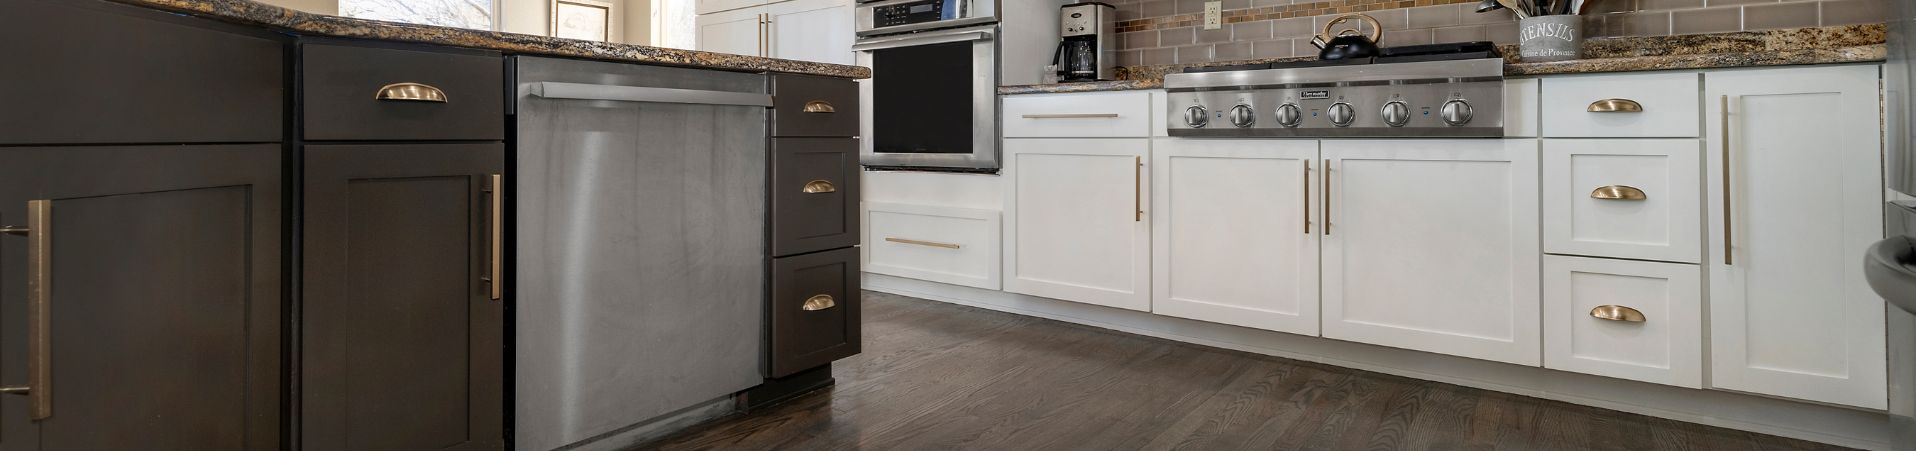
column 587, row 91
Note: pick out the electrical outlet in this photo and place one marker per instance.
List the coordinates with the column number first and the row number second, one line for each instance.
column 1213, row 15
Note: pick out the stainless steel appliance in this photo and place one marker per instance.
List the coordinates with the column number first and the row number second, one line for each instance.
column 1087, row 47
column 640, row 241
column 1890, row 265
column 932, row 101
column 1443, row 90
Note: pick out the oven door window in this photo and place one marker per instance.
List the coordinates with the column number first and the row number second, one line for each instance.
column 922, row 99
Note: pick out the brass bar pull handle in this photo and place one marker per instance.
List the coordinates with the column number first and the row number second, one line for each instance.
column 39, row 234
column 1307, row 197
column 1137, row 190
column 923, row 243
column 1618, row 192
column 1327, row 197
column 819, row 106
column 495, row 256
column 819, row 187
column 410, row 92
column 1615, row 106
column 1073, row 116
column 819, row 302
column 1617, row 313
column 1728, row 228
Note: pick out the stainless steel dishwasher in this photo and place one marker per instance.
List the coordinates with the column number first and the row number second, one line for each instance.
column 640, row 238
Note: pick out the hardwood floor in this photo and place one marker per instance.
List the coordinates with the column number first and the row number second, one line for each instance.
column 940, row 376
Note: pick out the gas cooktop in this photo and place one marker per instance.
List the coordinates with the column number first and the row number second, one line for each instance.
column 1442, row 90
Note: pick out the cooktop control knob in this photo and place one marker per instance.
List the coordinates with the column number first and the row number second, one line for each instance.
column 1342, row 114
column 1196, row 117
column 1242, row 116
column 1395, row 113
column 1456, row 112
column 1288, row 115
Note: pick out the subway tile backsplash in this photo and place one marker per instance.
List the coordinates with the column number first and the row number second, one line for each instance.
column 1154, row 32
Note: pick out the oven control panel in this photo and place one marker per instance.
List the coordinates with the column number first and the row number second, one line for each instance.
column 909, row 13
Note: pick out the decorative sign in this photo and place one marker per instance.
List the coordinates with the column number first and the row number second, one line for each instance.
column 1551, row 38
column 582, row 19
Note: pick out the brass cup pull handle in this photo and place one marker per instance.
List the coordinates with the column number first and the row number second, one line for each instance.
column 819, row 302
column 819, row 187
column 1615, row 106
column 819, row 106
column 1618, row 192
column 410, row 92
column 39, row 235
column 1617, row 313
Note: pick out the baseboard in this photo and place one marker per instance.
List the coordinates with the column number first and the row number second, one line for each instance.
column 1813, row 422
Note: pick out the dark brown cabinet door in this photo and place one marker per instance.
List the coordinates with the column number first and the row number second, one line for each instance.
column 157, row 271
column 401, row 332
column 814, row 194
column 815, row 304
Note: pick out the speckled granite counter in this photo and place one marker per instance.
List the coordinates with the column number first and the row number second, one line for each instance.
column 247, row 12
column 1818, row 45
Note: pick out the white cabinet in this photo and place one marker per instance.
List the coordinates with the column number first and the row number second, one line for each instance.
column 1623, row 198
column 1074, row 220
column 1099, row 114
column 1796, row 195
column 1432, row 245
column 938, row 243
column 1233, row 240
column 1627, row 319
column 1649, row 105
column 806, row 30
column 703, row 7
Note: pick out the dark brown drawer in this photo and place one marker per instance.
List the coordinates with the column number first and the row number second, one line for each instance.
column 806, row 105
column 814, row 194
column 815, row 304
column 342, row 84
column 102, row 73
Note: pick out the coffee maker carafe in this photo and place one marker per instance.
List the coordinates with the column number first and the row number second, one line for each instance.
column 1087, row 50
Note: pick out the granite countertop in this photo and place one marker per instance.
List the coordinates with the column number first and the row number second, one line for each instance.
column 1815, row 45
column 247, row 12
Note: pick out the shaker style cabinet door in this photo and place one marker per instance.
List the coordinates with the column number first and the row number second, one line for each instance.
column 1075, row 226
column 140, row 297
column 1433, row 246
column 402, row 327
column 740, row 32
column 1795, row 193
column 819, row 31
column 1234, row 239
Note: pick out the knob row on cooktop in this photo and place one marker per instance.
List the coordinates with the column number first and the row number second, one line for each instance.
column 1396, row 113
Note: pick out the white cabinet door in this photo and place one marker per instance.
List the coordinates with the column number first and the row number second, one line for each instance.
column 735, row 32
column 714, row 6
column 1074, row 220
column 812, row 30
column 1627, row 319
column 1624, row 198
column 1432, row 245
column 1790, row 313
column 1232, row 231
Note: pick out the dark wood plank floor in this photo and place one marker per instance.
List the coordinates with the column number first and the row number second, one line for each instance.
column 942, row 376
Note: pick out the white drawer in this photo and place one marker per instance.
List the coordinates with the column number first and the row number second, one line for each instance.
column 952, row 245
column 1078, row 115
column 1583, row 214
column 1668, row 101
column 1665, row 348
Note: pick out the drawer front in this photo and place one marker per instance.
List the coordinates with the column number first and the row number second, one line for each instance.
column 1600, row 106
column 814, row 194
column 958, row 246
column 1078, row 115
column 815, row 304
column 341, row 85
column 1582, row 334
column 154, row 78
column 805, row 105
column 1624, row 198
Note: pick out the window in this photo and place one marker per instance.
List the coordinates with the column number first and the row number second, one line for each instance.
column 476, row 14
column 674, row 24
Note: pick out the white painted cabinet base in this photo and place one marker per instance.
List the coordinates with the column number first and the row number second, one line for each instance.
column 952, row 245
column 1666, row 347
column 1233, row 236
column 1581, row 216
column 1075, row 228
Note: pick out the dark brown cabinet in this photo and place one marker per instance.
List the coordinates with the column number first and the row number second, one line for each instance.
column 401, row 331
column 814, row 194
column 146, row 288
column 814, row 305
column 814, row 302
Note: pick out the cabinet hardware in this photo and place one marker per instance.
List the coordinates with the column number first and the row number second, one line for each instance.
column 819, row 187
column 587, row 91
column 1327, row 197
column 1728, row 229
column 496, row 261
column 1617, row 313
column 1137, row 190
column 819, row 106
column 764, row 34
column 410, row 92
column 1073, row 116
column 39, row 235
column 923, row 243
column 819, row 302
column 1307, row 197
column 1615, row 106
column 1618, row 192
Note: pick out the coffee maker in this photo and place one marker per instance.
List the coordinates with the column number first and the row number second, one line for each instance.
column 1088, row 46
